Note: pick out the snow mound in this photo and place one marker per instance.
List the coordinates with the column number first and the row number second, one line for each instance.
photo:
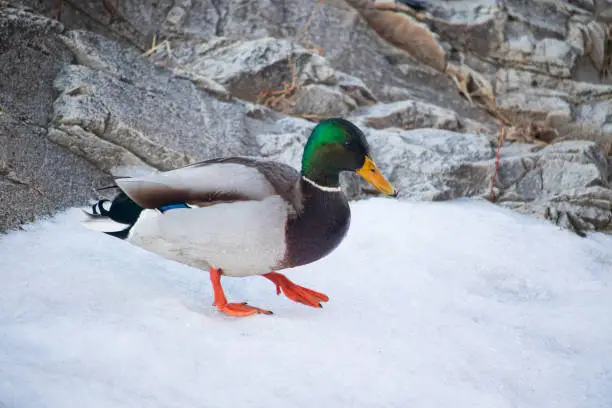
column 456, row 304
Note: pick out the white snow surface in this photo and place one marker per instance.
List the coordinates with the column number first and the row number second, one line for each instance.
column 454, row 304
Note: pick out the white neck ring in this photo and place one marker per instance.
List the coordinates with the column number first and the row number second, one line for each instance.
column 324, row 188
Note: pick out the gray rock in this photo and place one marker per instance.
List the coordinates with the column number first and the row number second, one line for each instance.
column 428, row 164
column 245, row 68
column 535, row 103
column 476, row 24
column 175, row 18
column 512, row 80
column 111, row 57
column 165, row 126
column 557, row 57
column 335, row 28
column 18, row 25
column 603, row 10
column 545, row 17
column 97, row 106
column 321, row 100
column 409, row 114
column 567, row 183
column 519, row 47
column 594, row 32
column 30, row 57
column 108, row 113
column 252, row 69
column 37, row 177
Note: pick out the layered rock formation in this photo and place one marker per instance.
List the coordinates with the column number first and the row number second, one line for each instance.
column 90, row 89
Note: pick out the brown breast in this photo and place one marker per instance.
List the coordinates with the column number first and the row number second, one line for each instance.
column 318, row 228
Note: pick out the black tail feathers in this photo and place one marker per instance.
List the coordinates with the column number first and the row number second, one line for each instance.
column 114, row 217
column 123, row 209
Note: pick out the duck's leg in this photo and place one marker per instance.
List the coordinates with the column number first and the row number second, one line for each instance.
column 295, row 292
column 232, row 309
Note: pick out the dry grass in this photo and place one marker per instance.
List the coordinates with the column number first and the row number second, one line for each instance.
column 158, row 46
column 479, row 92
column 477, row 89
column 282, row 100
column 536, row 132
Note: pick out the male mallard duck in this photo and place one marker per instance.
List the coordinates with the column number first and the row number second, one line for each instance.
column 238, row 216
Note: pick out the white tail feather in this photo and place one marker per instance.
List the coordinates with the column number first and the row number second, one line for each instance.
column 101, row 223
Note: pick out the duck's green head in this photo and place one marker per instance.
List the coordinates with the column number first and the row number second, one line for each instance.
column 337, row 145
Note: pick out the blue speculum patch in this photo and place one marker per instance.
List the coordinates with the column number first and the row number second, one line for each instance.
column 165, row 208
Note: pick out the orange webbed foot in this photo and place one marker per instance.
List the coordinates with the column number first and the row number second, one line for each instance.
column 295, row 292
column 241, row 310
column 231, row 309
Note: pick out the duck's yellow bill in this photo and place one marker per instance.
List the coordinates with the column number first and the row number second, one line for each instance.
column 370, row 172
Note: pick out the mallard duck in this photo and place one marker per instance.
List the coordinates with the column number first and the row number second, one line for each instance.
column 238, row 216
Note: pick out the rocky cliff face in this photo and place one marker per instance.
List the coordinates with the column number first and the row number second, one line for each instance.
column 89, row 89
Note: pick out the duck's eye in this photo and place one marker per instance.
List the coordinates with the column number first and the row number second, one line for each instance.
column 347, row 143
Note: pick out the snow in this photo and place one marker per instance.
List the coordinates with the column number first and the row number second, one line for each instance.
column 454, row 304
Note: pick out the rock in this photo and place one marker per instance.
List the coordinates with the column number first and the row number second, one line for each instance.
column 595, row 34
column 108, row 113
column 520, row 47
column 534, row 104
column 557, row 57
column 566, row 183
column 175, row 18
column 512, row 80
column 37, row 177
column 570, row 165
column 335, row 28
column 477, row 25
column 98, row 100
column 322, row 101
column 565, row 178
column 18, row 25
column 543, row 17
column 603, row 10
column 163, row 120
column 427, row 164
column 30, row 57
column 110, row 57
column 593, row 122
column 355, row 89
column 408, row 115
column 257, row 70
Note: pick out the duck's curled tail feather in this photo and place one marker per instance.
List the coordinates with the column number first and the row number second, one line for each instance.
column 114, row 217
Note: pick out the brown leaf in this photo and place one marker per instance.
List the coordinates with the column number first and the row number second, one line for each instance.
column 398, row 7
column 407, row 34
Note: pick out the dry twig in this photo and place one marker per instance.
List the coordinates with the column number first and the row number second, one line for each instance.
column 607, row 55
column 58, row 9
column 500, row 140
column 281, row 100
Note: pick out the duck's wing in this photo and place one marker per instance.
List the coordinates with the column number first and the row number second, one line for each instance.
column 212, row 181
